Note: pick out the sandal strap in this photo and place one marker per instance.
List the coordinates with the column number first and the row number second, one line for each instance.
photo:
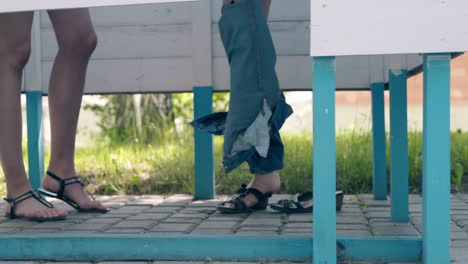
column 23, row 197
column 305, row 196
column 242, row 189
column 238, row 203
column 258, row 194
column 64, row 182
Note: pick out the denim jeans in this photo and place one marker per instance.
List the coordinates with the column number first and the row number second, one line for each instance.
column 257, row 107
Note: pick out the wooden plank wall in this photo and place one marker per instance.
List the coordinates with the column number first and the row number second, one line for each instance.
column 166, row 48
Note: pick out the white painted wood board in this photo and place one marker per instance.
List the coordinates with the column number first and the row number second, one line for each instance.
column 171, row 47
column 363, row 27
column 32, row 5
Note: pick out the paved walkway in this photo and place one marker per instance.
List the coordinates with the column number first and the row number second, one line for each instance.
column 177, row 214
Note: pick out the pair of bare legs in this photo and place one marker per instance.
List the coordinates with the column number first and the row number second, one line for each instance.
column 76, row 40
column 265, row 183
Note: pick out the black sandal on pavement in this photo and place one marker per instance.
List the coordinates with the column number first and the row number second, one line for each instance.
column 24, row 197
column 303, row 204
column 60, row 194
column 239, row 204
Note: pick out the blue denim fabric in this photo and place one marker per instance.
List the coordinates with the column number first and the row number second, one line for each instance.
column 252, row 58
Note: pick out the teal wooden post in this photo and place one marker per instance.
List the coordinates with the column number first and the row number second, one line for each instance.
column 399, row 145
column 436, row 159
column 324, row 163
column 204, row 154
column 378, row 142
column 35, row 138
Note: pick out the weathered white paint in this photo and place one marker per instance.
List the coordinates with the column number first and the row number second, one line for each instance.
column 136, row 15
column 175, row 46
column 129, row 42
column 377, row 67
column 135, row 75
column 281, row 10
column 362, row 27
column 33, row 70
column 202, row 51
column 31, row 5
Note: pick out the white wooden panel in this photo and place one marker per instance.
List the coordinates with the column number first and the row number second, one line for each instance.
column 32, row 79
column 388, row 27
column 281, row 10
column 202, row 51
column 149, row 48
column 355, row 77
column 414, row 61
column 121, row 76
column 377, row 69
column 29, row 5
column 290, row 38
column 295, row 72
column 125, row 42
column 132, row 15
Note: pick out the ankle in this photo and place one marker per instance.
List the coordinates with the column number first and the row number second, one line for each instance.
column 62, row 171
column 272, row 177
column 269, row 182
column 17, row 189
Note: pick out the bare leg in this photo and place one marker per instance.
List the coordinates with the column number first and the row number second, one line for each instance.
column 15, row 30
column 76, row 40
column 269, row 182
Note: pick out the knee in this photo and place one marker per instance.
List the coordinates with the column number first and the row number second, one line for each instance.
column 81, row 43
column 18, row 55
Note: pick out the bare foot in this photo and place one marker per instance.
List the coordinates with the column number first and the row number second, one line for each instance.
column 75, row 192
column 265, row 183
column 33, row 208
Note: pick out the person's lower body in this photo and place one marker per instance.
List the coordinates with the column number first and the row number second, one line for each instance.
column 77, row 41
column 257, row 108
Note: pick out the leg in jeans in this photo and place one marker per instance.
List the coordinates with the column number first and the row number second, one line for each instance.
column 15, row 46
column 254, row 84
column 76, row 40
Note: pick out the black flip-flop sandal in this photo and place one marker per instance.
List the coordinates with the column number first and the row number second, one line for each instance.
column 24, row 197
column 60, row 194
column 304, row 204
column 239, row 204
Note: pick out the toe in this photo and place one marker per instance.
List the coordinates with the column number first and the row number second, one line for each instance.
column 98, row 205
column 38, row 214
column 62, row 212
column 53, row 213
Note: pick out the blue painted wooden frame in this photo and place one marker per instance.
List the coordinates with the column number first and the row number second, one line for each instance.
column 436, row 158
column 379, row 159
column 96, row 247
column 204, row 152
column 180, row 247
column 324, row 162
column 35, row 137
column 399, row 146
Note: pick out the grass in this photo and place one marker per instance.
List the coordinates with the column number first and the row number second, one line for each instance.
column 167, row 167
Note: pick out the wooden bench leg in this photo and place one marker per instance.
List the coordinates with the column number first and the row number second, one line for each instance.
column 204, row 154
column 35, row 138
column 378, row 142
column 436, row 159
column 324, row 164
column 399, row 145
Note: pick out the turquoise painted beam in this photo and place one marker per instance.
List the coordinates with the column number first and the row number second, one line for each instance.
column 382, row 249
column 35, row 137
column 379, row 170
column 436, row 159
column 399, row 146
column 324, row 163
column 204, row 152
column 96, row 247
